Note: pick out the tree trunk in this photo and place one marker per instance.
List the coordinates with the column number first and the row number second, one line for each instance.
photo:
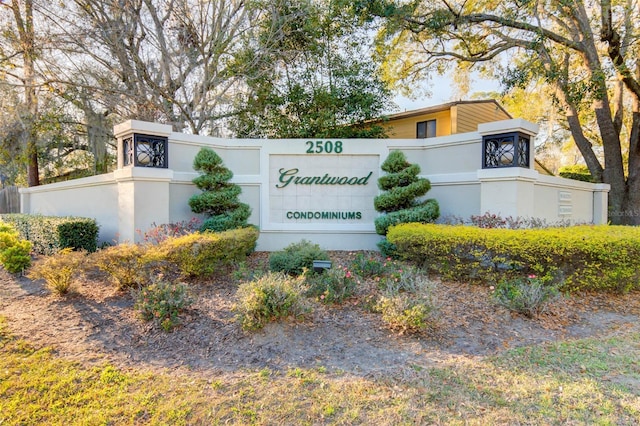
column 613, row 173
column 631, row 204
column 632, row 200
column 32, row 112
column 97, row 138
column 27, row 43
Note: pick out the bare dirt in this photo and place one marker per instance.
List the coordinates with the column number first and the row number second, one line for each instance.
column 98, row 324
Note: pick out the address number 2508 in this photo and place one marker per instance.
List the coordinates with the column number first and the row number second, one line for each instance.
column 319, row 147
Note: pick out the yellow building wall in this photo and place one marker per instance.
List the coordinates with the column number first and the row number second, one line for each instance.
column 459, row 118
column 468, row 116
column 406, row 128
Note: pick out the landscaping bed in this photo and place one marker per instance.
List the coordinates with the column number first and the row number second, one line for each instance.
column 98, row 324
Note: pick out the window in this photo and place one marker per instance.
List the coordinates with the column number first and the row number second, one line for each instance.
column 426, row 129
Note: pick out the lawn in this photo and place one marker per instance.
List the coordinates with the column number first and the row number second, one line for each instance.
column 587, row 381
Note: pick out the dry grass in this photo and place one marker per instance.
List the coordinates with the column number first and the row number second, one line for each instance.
column 588, row 381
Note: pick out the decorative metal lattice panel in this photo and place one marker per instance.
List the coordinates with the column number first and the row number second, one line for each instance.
column 505, row 150
column 128, row 150
column 145, row 151
column 523, row 151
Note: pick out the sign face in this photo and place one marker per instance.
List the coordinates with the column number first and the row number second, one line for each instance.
column 323, row 188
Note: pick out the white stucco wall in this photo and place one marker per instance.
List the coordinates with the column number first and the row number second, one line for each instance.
column 95, row 197
column 336, row 216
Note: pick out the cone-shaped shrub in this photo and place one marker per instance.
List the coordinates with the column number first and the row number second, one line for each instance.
column 402, row 188
column 219, row 199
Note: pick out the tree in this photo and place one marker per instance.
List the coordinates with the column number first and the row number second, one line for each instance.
column 49, row 132
column 166, row 61
column 402, row 189
column 587, row 53
column 219, row 199
column 22, row 46
column 315, row 77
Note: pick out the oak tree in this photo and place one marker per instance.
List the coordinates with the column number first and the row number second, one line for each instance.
column 587, row 52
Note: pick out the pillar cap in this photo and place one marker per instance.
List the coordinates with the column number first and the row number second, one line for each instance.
column 508, row 126
column 143, row 127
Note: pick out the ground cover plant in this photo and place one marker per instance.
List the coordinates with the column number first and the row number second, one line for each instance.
column 406, row 300
column 162, row 303
column 528, row 296
column 334, row 285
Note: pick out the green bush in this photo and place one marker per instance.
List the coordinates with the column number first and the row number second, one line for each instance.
column 528, row 296
column 273, row 296
column 424, row 213
column 387, row 248
column 231, row 220
column 8, row 239
column 125, row 263
column 49, row 234
column 162, row 303
column 8, row 229
column 407, row 313
column 59, row 270
column 17, row 257
column 219, row 199
column 334, row 285
column 402, row 188
column 15, row 253
column 367, row 266
column 78, row 234
column 296, row 257
column 402, row 279
column 577, row 258
column 201, row 254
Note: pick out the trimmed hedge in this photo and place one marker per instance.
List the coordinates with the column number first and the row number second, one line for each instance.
column 424, row 213
column 201, row 254
column 50, row 234
column 576, row 258
column 576, row 172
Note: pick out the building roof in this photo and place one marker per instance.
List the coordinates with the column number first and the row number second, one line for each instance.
column 442, row 107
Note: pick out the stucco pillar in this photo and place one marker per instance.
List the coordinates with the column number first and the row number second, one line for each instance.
column 601, row 203
column 130, row 127
column 25, row 201
column 143, row 200
column 143, row 192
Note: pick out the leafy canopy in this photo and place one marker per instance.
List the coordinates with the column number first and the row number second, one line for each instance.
column 586, row 52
